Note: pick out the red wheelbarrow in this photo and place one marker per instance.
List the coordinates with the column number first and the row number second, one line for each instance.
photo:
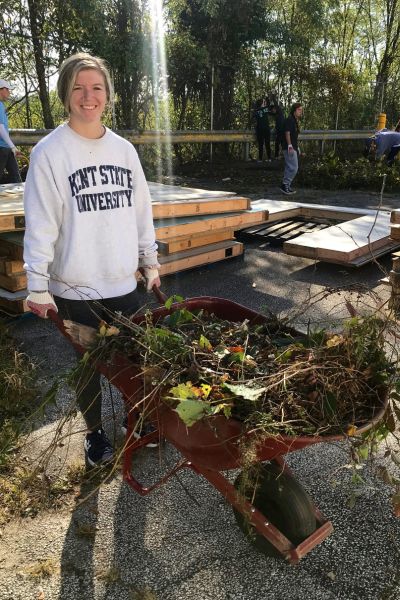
column 278, row 515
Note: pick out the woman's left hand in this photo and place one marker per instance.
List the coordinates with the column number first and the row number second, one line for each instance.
column 152, row 278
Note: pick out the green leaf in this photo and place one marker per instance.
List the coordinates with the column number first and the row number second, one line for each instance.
column 169, row 302
column 246, row 392
column 183, row 391
column 204, row 343
column 363, row 452
column 330, row 404
column 191, row 411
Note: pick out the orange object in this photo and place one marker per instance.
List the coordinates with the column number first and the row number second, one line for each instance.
column 381, row 121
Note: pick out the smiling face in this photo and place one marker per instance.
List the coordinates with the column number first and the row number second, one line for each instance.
column 87, row 101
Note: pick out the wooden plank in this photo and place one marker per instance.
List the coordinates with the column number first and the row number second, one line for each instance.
column 197, row 257
column 9, row 267
column 183, row 243
column 13, row 283
column 171, row 228
column 183, row 208
column 345, row 242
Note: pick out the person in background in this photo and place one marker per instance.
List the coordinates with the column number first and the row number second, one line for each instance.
column 387, row 143
column 291, row 148
column 8, row 151
column 263, row 131
column 277, row 112
column 89, row 223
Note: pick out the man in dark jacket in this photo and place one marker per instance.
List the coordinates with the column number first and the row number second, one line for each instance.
column 291, row 148
column 263, row 132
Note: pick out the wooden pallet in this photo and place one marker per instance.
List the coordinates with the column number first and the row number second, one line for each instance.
column 14, row 307
column 278, row 232
column 352, row 242
column 12, row 245
column 14, row 282
column 10, row 267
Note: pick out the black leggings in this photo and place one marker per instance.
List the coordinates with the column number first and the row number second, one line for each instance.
column 8, row 163
column 263, row 137
column 88, row 389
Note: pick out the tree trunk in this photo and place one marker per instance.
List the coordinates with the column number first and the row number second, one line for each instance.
column 34, row 12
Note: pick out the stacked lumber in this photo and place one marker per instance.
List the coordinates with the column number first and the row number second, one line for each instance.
column 193, row 228
column 12, row 275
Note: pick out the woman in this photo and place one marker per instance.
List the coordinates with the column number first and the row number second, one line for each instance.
column 88, row 222
column 290, row 147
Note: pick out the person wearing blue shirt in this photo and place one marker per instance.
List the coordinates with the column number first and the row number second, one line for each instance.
column 8, row 151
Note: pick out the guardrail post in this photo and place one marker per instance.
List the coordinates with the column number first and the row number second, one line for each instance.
column 246, row 151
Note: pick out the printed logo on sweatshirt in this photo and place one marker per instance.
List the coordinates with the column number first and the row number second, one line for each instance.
column 92, row 176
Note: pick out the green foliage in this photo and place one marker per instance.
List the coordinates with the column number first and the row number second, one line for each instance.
column 331, row 172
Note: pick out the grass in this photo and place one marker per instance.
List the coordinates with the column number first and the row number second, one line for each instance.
column 25, row 491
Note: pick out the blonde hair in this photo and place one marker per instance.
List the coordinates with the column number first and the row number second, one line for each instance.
column 69, row 71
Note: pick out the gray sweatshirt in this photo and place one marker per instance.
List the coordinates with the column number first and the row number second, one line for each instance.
column 384, row 140
column 88, row 216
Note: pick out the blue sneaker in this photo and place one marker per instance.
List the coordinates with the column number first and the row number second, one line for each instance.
column 98, row 448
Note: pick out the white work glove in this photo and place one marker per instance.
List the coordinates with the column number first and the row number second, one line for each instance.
column 290, row 148
column 41, row 302
column 14, row 150
column 152, row 277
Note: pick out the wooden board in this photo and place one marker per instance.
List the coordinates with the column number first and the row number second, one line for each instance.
column 197, row 257
column 183, row 243
column 170, row 228
column 206, row 206
column 345, row 242
column 14, row 282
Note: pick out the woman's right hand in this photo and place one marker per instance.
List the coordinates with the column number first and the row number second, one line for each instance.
column 40, row 303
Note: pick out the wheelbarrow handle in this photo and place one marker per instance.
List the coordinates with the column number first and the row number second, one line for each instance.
column 161, row 297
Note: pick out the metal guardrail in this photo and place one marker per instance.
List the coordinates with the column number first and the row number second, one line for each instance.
column 29, row 137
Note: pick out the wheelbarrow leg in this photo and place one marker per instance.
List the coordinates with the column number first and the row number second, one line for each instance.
column 261, row 523
column 131, row 446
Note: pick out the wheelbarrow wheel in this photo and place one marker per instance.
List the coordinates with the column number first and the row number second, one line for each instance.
column 283, row 502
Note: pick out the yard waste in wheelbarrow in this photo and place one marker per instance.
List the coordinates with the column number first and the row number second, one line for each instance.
column 283, row 518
